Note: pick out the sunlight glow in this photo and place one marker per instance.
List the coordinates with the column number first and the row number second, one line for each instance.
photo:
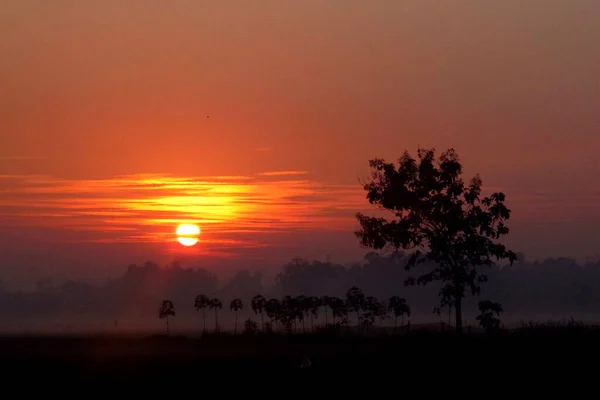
column 188, row 230
column 240, row 212
column 186, row 241
column 187, row 234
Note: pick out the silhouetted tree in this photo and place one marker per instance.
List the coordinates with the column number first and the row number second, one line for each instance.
column 437, row 310
column 339, row 309
column 216, row 305
column 286, row 313
column 489, row 312
column 381, row 311
column 313, row 305
column 371, row 309
column 201, row 303
column 325, row 303
column 273, row 311
column 447, row 300
column 397, row 305
column 304, row 305
column 250, row 327
column 355, row 299
column 258, row 303
column 165, row 310
column 439, row 217
column 236, row 305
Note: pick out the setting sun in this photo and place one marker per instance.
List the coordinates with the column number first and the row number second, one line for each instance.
column 187, row 234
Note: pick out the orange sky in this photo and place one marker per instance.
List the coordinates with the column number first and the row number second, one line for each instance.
column 94, row 94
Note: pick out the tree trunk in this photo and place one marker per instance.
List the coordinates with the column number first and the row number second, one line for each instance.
column 216, row 321
column 262, row 320
column 167, row 324
column 325, row 316
column 236, row 319
column 458, row 313
column 204, row 318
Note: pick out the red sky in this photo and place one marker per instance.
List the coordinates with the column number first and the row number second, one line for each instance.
column 118, row 119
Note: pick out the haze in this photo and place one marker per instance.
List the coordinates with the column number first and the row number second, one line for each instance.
column 257, row 119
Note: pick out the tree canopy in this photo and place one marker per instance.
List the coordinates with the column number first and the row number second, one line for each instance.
column 439, row 218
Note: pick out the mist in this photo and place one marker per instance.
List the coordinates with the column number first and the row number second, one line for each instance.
column 549, row 289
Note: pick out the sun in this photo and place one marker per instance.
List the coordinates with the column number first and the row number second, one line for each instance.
column 187, row 234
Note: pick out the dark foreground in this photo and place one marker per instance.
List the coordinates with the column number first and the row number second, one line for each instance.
column 180, row 359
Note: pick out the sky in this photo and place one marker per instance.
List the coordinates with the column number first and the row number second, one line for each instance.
column 256, row 119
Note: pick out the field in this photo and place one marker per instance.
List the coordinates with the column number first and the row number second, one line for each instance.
column 113, row 359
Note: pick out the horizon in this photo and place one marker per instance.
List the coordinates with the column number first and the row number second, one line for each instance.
column 555, row 290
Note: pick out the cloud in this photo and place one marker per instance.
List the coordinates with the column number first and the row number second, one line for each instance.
column 283, row 173
column 146, row 208
column 243, row 211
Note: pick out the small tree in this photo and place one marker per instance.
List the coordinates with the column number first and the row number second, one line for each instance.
column 397, row 305
column 295, row 308
column 313, row 305
column 258, row 303
column 326, row 303
column 273, row 310
column 250, row 327
column 371, row 310
column 216, row 305
column 444, row 222
column 339, row 309
column 236, row 305
column 489, row 313
column 165, row 310
column 201, row 303
column 355, row 299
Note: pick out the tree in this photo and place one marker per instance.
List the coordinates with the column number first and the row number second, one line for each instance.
column 236, row 305
column 397, row 305
column 339, row 309
column 250, row 327
column 258, row 303
column 292, row 309
column 447, row 300
column 273, row 311
column 165, row 310
column 489, row 312
column 371, row 307
column 355, row 299
column 326, row 303
column 446, row 224
column 216, row 305
column 201, row 303
column 313, row 303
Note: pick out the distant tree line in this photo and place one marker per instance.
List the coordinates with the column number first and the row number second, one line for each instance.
column 287, row 314
column 557, row 285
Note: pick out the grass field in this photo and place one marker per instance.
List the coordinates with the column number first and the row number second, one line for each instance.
column 110, row 359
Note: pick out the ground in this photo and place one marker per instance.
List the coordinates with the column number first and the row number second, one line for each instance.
column 110, row 359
